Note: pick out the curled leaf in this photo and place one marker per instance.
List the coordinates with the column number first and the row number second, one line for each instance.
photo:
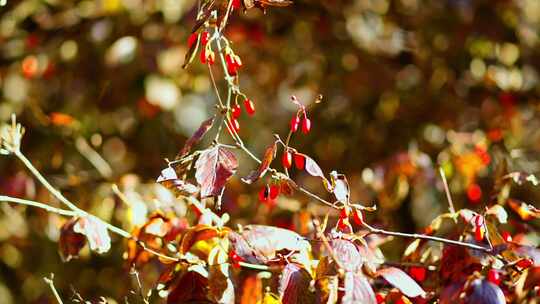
column 169, row 179
column 70, row 242
column 196, row 137
column 96, row 233
column 357, row 290
column 402, row 281
column 213, row 168
column 294, row 285
column 269, row 155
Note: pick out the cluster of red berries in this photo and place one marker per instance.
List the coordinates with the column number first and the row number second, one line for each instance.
column 236, row 111
column 233, row 62
column 306, row 123
column 343, row 223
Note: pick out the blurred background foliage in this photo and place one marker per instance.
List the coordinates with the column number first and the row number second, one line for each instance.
column 408, row 86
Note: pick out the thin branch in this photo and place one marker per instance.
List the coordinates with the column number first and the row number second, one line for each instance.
column 447, row 191
column 426, row 237
column 93, row 157
column 46, row 207
column 50, row 282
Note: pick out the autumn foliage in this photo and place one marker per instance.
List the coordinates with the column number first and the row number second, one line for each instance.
column 224, row 222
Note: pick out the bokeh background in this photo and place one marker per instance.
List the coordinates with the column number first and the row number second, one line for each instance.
column 407, row 85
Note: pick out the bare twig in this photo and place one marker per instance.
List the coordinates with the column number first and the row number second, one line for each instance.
column 46, row 207
column 447, row 191
column 50, row 282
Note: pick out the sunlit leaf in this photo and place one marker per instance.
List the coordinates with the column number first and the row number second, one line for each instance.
column 96, row 233
column 169, row 179
column 214, row 167
column 402, row 281
column 294, row 285
column 196, row 137
column 269, row 155
column 347, row 254
column 357, row 290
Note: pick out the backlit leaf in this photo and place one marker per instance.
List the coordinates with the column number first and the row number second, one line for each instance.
column 96, row 233
column 294, row 285
column 213, row 168
column 357, row 290
column 269, row 155
column 402, row 281
column 196, row 137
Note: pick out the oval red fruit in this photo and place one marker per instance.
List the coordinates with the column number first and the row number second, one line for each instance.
column 507, row 237
column 479, row 233
column 358, row 217
column 250, row 106
column 525, row 263
column 286, row 159
column 203, row 56
column 494, row 276
column 192, row 39
column 306, row 125
column 273, row 192
column 205, row 36
column 418, row 273
column 295, row 123
column 299, row 161
column 380, row 298
column 474, row 193
column 236, row 111
column 236, row 125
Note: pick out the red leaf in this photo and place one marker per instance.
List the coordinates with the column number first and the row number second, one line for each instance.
column 96, row 233
column 269, row 155
column 213, row 168
column 485, row 292
column 294, row 285
column 402, row 281
column 70, row 242
column 357, row 290
column 196, row 137
column 169, row 179
column 191, row 287
column 347, row 254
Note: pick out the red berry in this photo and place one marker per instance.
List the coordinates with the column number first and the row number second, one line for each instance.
column 286, row 159
column 232, row 65
column 479, row 233
column 474, row 193
column 358, row 217
column 478, row 220
column 235, row 259
column 250, row 107
column 306, row 125
column 203, row 56
column 235, row 125
column 494, row 276
column 205, row 36
column 236, row 111
column 273, row 192
column 507, row 237
column 344, row 225
column 264, row 194
column 295, row 123
column 192, row 39
column 417, row 273
column 299, row 161
column 235, row 4
column 380, row 298
column 525, row 263
column 343, row 213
